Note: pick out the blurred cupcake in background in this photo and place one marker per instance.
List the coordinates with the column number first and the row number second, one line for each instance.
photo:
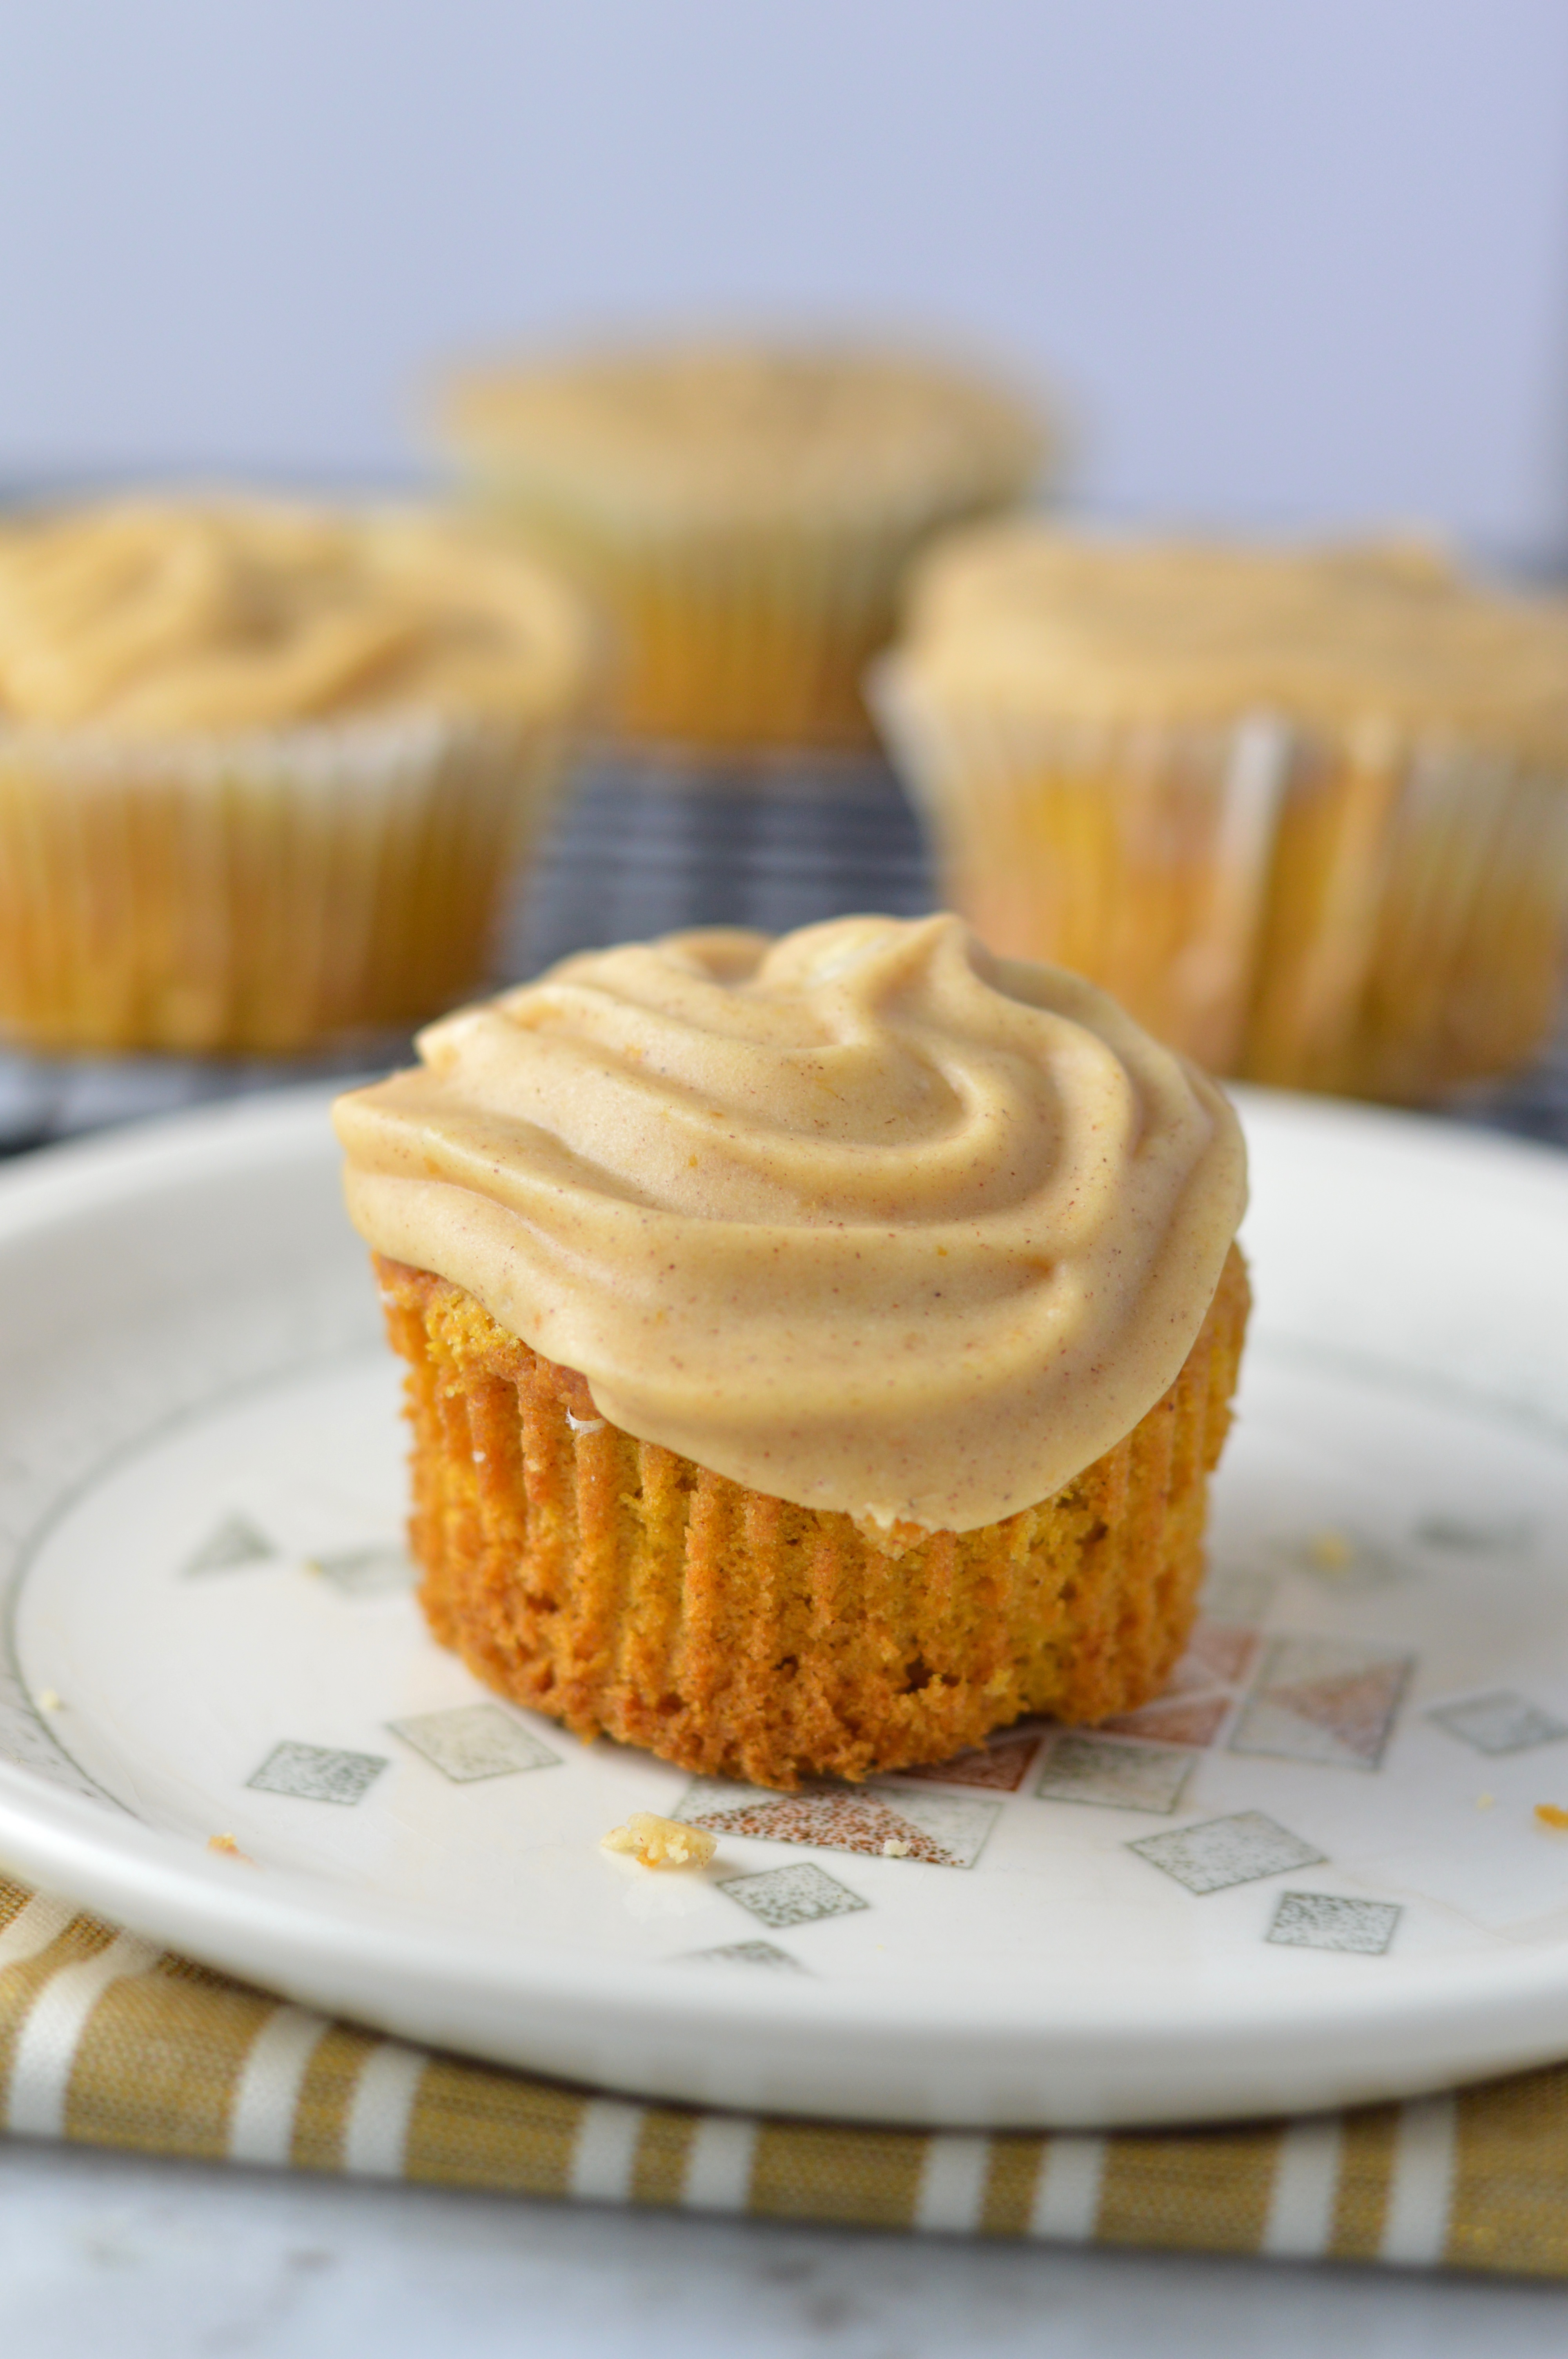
column 264, row 769
column 742, row 514
column 1304, row 812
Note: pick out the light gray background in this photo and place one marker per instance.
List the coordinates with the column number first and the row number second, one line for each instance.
column 1291, row 262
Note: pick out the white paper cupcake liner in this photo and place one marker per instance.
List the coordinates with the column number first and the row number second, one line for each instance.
column 266, row 893
column 756, row 633
column 1373, row 915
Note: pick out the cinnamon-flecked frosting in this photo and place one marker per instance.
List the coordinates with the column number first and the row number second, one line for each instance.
column 162, row 615
column 724, row 432
column 864, row 1217
column 1392, row 635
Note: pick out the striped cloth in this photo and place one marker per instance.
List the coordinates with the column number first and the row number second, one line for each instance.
column 107, row 2041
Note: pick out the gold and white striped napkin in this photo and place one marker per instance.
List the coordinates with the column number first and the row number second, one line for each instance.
column 106, row 2040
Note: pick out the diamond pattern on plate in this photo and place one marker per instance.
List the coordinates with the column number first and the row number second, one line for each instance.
column 236, row 1540
column 1488, row 1536
column 1219, row 1655
column 1117, row 1774
column 797, row 1895
column 751, row 1954
column 474, row 1741
column 379, row 1572
column 1000, row 1764
column 1196, row 1700
column 1223, row 1851
column 1322, row 1921
column 317, row 1773
column 1194, row 1721
column 1501, row 1721
column 880, row 1822
column 1330, row 1700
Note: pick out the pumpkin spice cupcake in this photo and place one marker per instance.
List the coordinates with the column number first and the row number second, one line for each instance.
column 264, row 769
column 1305, row 813
column 742, row 514
column 818, row 1349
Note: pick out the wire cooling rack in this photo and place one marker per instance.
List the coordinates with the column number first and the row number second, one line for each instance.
column 645, row 846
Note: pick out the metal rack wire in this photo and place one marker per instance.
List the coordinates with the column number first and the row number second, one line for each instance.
column 645, row 846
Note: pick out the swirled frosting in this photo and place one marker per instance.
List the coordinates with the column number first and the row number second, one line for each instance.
column 165, row 616
column 863, row 1217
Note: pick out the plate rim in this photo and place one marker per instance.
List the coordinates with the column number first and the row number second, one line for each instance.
column 828, row 2049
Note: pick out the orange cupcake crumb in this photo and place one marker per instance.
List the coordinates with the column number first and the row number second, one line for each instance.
column 227, row 1848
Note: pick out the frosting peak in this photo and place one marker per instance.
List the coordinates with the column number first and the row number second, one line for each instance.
column 863, row 1217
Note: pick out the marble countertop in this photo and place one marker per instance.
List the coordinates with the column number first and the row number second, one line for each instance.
column 107, row 2253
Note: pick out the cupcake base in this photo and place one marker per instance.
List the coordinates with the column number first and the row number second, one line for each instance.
column 260, row 896
column 624, row 1589
column 1365, row 915
column 732, row 640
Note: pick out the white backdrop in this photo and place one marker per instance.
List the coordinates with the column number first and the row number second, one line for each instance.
column 1292, row 259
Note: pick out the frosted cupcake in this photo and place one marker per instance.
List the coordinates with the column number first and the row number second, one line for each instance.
column 264, row 770
column 742, row 514
column 1302, row 812
column 818, row 1349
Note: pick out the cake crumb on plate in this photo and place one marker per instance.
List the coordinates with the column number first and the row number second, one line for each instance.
column 660, row 1843
column 227, row 1848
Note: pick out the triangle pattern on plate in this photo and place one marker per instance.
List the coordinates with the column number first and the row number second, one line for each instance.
column 230, row 1544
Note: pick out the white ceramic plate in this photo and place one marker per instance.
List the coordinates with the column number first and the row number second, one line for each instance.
column 1313, row 1874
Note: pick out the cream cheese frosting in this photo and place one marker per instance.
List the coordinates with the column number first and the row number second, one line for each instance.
column 1098, row 629
column 159, row 615
column 742, row 431
column 862, row 1217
